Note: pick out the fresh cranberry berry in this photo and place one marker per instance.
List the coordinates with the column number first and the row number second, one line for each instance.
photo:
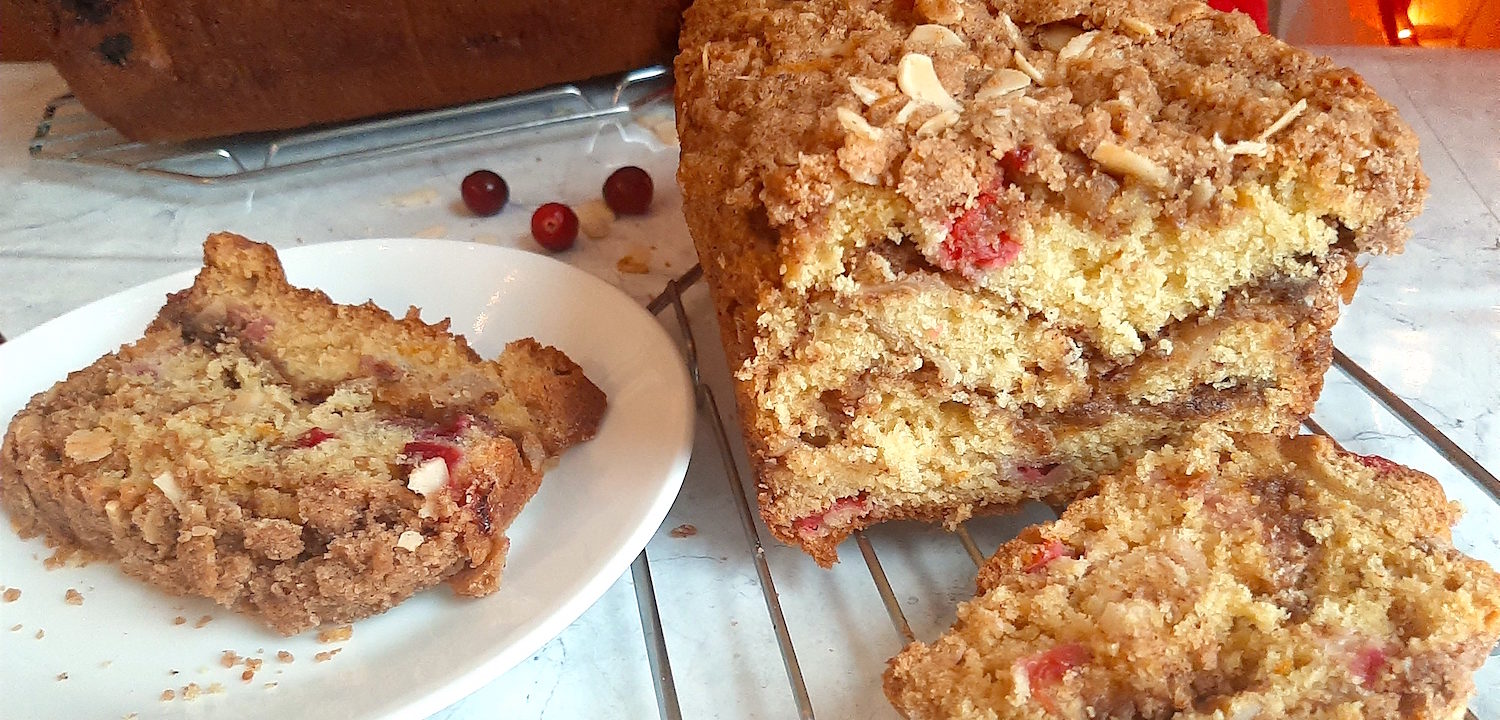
column 977, row 239
column 421, row 450
column 485, row 193
column 555, row 226
column 628, row 191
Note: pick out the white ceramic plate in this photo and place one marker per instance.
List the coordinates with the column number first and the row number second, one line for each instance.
column 120, row 649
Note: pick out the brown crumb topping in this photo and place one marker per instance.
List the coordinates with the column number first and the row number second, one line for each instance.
column 229, row 659
column 327, row 655
column 338, row 634
column 73, row 597
column 179, row 620
column 284, row 656
column 206, row 619
column 168, row 695
column 40, row 634
column 11, row 594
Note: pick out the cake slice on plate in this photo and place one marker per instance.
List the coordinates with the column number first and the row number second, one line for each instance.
column 966, row 254
column 1272, row 578
column 292, row 458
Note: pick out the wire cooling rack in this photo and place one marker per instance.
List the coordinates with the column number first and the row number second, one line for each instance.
column 69, row 134
column 671, row 300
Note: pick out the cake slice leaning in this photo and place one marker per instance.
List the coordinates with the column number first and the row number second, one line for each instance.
column 1270, row 578
column 285, row 456
column 965, row 255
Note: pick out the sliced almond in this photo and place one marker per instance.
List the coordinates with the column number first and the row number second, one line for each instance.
column 428, row 477
column 1138, row 27
column 1123, row 161
column 935, row 36
column 854, row 123
column 1198, row 198
column 1013, row 33
column 1077, row 46
column 410, row 540
column 946, row 12
column 88, row 445
column 1054, row 36
column 167, row 484
column 1025, row 66
column 1004, row 82
column 870, row 91
column 904, row 114
column 1283, row 121
column 918, row 79
column 937, row 123
column 1243, row 147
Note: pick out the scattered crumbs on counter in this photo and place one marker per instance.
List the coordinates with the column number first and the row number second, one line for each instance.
column 40, row 633
column 260, row 651
column 632, row 265
column 284, row 656
column 11, row 594
column 487, row 239
column 15, row 627
column 595, row 218
column 130, row 716
column 215, row 688
column 433, row 232
column 338, row 634
column 326, row 656
column 167, row 695
column 73, row 597
column 269, row 685
column 229, row 659
column 247, row 675
column 106, row 663
column 179, row 620
column 254, row 663
column 191, row 691
column 415, row 198
column 62, row 676
column 684, row 530
column 206, row 619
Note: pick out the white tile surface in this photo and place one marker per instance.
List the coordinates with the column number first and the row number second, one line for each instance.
column 1426, row 323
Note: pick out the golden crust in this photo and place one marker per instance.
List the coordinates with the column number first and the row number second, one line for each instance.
column 298, row 460
column 1254, row 577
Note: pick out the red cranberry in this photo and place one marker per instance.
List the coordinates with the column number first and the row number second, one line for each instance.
column 421, row 450
column 484, row 192
column 555, row 226
column 628, row 191
column 313, row 437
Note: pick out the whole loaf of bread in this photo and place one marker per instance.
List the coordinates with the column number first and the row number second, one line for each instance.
column 184, row 69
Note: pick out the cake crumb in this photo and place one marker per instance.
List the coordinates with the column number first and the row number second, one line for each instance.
column 206, row 619
column 434, row 232
column 684, row 530
column 130, row 716
column 270, row 685
column 106, row 663
column 15, row 627
column 179, row 620
column 229, row 658
column 62, row 676
column 284, row 656
column 632, row 265
column 167, row 695
column 191, row 691
column 73, row 597
column 595, row 218
column 12, row 594
column 338, row 634
column 40, row 633
column 415, row 198
column 215, row 688
column 326, row 656
column 247, row 675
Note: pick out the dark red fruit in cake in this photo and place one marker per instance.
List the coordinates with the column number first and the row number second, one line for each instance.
column 1016, row 162
column 1046, row 669
column 977, row 239
column 554, row 226
column 484, row 192
column 627, row 191
column 1046, row 553
column 313, row 437
column 420, row 451
column 1377, row 463
column 1367, row 664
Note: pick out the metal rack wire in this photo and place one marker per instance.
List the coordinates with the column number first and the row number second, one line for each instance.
column 667, row 702
column 70, row 135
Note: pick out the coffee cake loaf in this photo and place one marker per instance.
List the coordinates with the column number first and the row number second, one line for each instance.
column 965, row 255
column 1273, row 578
column 292, row 458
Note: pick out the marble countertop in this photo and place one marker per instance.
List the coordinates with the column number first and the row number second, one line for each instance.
column 1426, row 324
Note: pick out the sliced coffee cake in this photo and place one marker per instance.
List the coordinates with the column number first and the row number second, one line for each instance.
column 967, row 254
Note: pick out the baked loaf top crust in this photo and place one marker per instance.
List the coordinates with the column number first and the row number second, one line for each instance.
column 1266, row 578
column 183, row 69
column 291, row 458
column 1118, row 110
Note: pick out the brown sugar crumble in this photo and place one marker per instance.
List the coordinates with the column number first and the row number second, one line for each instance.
column 206, row 619
column 40, row 634
column 73, row 597
column 179, row 620
column 62, row 676
column 191, row 691
column 684, row 530
column 284, row 656
column 15, row 627
column 328, row 655
column 168, row 695
column 338, row 634
column 12, row 594
column 229, row 659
